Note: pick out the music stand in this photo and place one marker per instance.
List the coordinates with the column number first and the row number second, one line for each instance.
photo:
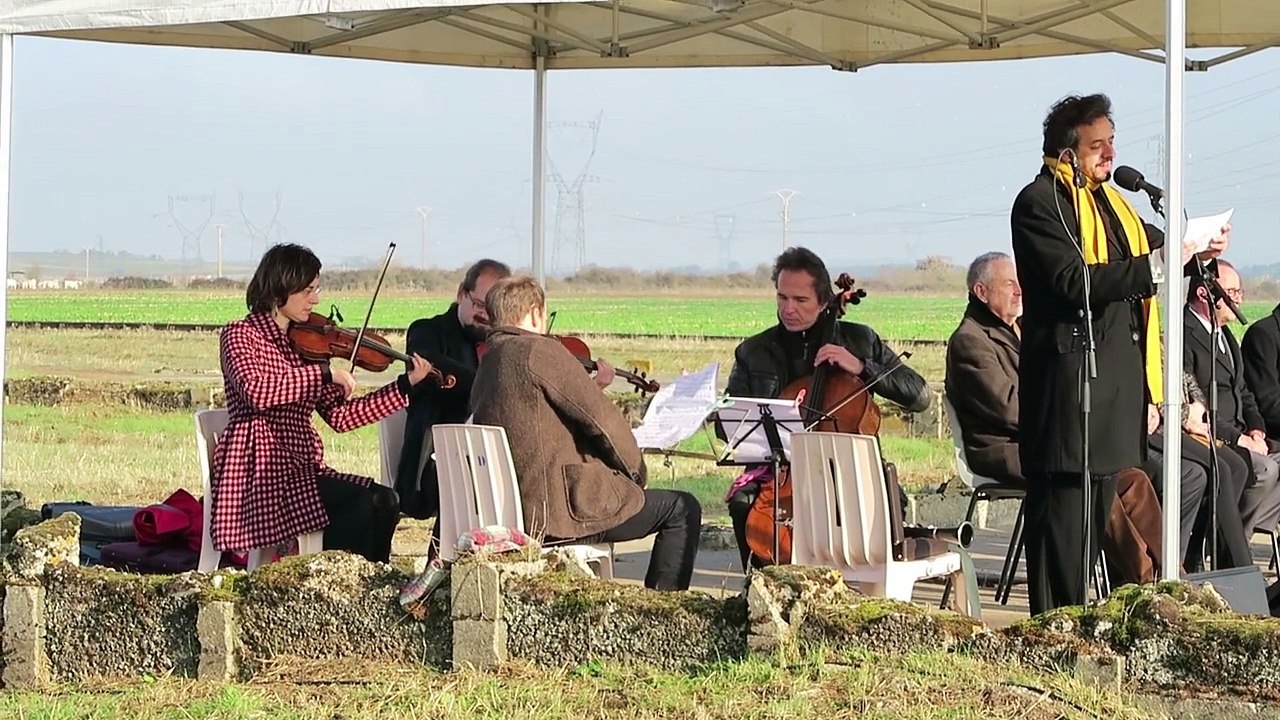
column 761, row 433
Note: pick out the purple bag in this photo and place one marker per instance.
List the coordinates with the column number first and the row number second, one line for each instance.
column 149, row 559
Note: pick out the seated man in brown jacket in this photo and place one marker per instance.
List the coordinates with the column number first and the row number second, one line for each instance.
column 580, row 470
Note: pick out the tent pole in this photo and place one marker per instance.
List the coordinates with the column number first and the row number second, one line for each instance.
column 6, row 144
column 539, row 171
column 1175, row 54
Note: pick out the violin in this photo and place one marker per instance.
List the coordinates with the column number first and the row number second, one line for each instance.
column 578, row 348
column 319, row 339
column 830, row 400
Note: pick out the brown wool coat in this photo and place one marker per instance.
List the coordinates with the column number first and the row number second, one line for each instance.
column 982, row 385
column 578, row 465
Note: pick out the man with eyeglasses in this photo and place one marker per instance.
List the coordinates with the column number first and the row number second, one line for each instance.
column 1238, row 424
column 454, row 342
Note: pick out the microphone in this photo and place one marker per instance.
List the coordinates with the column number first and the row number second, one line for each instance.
column 1133, row 181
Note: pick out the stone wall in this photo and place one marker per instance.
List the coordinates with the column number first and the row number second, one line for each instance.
column 107, row 624
column 562, row 619
column 62, row 622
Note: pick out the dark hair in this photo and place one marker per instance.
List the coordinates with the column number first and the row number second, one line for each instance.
column 283, row 270
column 803, row 259
column 1061, row 125
column 483, row 267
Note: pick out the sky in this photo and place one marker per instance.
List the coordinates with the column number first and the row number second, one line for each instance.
column 137, row 148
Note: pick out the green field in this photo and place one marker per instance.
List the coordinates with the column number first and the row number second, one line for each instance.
column 894, row 316
column 898, row 316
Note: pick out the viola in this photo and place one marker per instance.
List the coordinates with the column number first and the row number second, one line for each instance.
column 578, row 348
column 319, row 339
column 831, row 400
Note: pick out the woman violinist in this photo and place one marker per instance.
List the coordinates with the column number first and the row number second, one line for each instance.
column 269, row 480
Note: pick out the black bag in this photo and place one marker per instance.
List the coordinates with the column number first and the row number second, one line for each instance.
column 99, row 525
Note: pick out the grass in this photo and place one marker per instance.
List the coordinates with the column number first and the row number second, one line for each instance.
column 897, row 317
column 728, row 316
column 856, row 685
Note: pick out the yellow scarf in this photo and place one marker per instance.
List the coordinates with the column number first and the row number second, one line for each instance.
column 1093, row 237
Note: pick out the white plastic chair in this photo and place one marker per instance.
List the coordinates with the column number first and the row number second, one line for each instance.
column 478, row 488
column 391, row 445
column 841, row 517
column 209, row 425
column 990, row 489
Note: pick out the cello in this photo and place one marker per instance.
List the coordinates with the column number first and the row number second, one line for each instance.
column 830, row 400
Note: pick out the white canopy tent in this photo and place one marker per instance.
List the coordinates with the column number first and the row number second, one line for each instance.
column 843, row 34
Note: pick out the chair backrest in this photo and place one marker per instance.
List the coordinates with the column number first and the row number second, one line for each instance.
column 968, row 476
column 390, row 445
column 477, row 481
column 209, row 425
column 839, row 507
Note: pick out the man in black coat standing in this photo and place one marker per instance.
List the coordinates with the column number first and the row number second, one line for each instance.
column 453, row 341
column 1072, row 231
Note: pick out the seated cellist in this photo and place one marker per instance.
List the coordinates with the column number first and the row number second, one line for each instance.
column 768, row 362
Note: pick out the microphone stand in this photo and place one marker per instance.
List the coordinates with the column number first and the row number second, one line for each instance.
column 1088, row 371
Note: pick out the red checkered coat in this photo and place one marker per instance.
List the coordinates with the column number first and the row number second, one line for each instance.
column 266, row 461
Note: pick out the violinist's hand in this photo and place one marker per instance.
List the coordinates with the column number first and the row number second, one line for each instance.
column 419, row 370
column 345, row 379
column 840, row 357
column 604, row 374
column 1153, row 418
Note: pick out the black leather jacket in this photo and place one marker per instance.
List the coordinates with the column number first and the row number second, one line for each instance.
column 765, row 363
column 442, row 341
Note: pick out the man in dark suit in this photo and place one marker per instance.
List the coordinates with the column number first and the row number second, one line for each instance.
column 1071, row 231
column 453, row 341
column 1260, row 351
column 1238, row 423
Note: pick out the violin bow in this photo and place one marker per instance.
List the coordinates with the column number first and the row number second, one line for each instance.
column 386, row 263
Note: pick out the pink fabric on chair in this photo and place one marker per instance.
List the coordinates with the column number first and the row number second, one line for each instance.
column 176, row 521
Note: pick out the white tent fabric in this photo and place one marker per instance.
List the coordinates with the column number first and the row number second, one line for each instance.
column 843, row 34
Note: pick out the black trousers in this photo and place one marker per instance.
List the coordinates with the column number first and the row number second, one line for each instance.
column 676, row 518
column 1054, row 536
column 1233, row 475
column 1233, row 479
column 362, row 520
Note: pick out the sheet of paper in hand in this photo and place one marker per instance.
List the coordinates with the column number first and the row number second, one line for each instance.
column 1203, row 229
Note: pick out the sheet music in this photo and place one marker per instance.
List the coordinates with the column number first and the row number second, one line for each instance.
column 1203, row 229
column 679, row 409
column 747, row 440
